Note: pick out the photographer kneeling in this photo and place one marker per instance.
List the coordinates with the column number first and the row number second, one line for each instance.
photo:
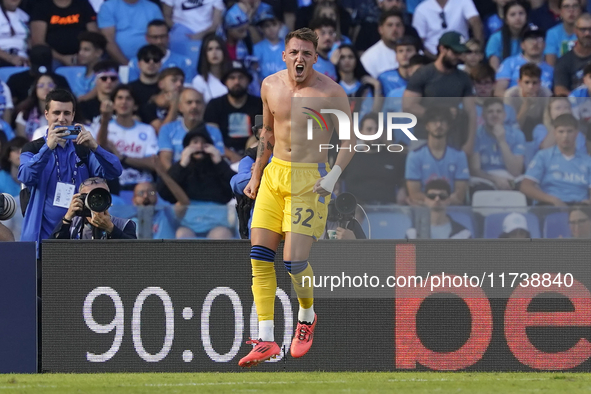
column 88, row 216
column 341, row 222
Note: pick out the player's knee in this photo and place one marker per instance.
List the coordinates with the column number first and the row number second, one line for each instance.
column 295, row 267
column 262, row 253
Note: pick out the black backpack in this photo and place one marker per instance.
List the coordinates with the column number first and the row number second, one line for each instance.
column 244, row 204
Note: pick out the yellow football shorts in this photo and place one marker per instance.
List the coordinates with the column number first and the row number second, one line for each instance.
column 285, row 201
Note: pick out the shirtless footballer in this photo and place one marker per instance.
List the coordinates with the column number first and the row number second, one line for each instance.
column 293, row 191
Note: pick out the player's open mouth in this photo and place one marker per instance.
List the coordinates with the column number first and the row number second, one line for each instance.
column 299, row 70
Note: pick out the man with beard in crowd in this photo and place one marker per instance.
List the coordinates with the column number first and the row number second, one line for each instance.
column 568, row 70
column 437, row 160
column 443, row 79
column 234, row 112
column 205, row 177
column 381, row 56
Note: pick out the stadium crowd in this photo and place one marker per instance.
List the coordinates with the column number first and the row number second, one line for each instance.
column 170, row 89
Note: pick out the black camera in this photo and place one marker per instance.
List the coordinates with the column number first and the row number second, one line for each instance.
column 7, row 206
column 97, row 200
column 342, row 208
column 258, row 125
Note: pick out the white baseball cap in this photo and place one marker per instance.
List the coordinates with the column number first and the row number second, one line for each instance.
column 514, row 221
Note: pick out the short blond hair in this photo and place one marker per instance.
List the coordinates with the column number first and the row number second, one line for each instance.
column 303, row 34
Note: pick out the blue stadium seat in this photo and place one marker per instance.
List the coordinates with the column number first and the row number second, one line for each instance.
column 464, row 218
column 70, row 73
column 556, row 225
column 6, row 72
column 387, row 225
column 493, row 225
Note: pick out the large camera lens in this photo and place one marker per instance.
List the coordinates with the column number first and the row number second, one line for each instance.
column 7, row 206
column 98, row 200
column 346, row 203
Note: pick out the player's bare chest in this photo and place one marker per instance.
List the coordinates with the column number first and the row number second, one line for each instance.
column 282, row 104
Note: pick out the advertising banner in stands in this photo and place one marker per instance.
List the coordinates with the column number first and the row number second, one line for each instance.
column 186, row 306
column 18, row 307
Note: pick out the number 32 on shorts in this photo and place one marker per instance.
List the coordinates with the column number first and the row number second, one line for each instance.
column 303, row 217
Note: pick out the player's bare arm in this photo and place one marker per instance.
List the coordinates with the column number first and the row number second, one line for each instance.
column 325, row 185
column 266, row 144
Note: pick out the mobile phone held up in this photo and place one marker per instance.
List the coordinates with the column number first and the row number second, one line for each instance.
column 73, row 130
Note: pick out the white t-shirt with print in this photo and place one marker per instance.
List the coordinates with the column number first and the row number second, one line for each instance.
column 428, row 20
column 16, row 43
column 197, row 15
column 138, row 141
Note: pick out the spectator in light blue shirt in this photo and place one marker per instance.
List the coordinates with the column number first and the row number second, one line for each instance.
column 158, row 34
column 543, row 134
column 269, row 51
column 170, row 138
column 505, row 43
column 562, row 38
column 532, row 44
column 498, row 149
column 123, row 22
column 391, row 80
column 559, row 175
column 91, row 51
column 325, row 28
column 436, row 160
column 483, row 80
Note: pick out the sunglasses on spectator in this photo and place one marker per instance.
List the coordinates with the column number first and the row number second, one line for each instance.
column 149, row 59
column 112, row 78
column 443, row 21
column 49, row 85
column 433, row 196
column 470, row 52
column 95, row 181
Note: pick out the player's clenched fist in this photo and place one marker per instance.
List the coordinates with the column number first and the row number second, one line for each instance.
column 251, row 189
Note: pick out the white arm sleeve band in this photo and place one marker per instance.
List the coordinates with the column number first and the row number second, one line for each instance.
column 328, row 182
